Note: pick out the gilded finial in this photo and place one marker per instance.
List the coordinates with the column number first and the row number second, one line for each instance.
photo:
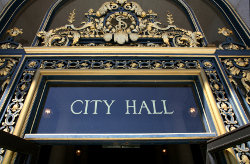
column 224, row 31
column 150, row 11
column 91, row 11
column 143, row 14
column 122, row 2
column 98, row 14
column 170, row 18
column 15, row 31
column 72, row 17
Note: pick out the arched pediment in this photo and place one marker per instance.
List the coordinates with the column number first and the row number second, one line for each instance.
column 121, row 23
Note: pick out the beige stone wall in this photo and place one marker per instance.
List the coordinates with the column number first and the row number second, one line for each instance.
column 241, row 6
column 243, row 9
column 3, row 3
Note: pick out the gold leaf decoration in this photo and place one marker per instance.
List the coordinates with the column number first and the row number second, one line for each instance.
column 224, row 31
column 170, row 18
column 72, row 17
column 15, row 31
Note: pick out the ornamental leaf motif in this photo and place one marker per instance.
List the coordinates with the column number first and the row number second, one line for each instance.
column 123, row 23
column 234, row 71
column 240, row 62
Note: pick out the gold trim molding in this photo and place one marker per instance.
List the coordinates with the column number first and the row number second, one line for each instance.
column 23, row 117
column 123, row 49
column 53, row 72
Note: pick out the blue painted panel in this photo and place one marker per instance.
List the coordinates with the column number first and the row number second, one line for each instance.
column 120, row 108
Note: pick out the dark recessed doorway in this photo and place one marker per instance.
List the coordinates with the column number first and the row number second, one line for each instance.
column 156, row 154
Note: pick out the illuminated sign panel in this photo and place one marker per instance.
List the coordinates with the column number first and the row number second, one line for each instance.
column 120, row 108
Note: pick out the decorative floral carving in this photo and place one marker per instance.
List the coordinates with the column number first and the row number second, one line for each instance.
column 110, row 64
column 122, row 2
column 121, row 37
column 9, row 43
column 6, row 46
column 208, row 64
column 32, row 64
column 7, row 66
column 15, row 107
column 239, row 69
column 15, row 31
column 72, row 17
column 60, row 65
column 234, row 70
column 241, row 63
column 157, row 65
column 230, row 44
column 216, row 86
column 242, row 154
column 170, row 18
column 225, row 31
column 133, row 65
column 84, row 64
column 23, row 87
column 133, row 6
column 227, row 113
column 121, row 23
column 10, row 46
column 224, row 106
column 2, row 152
column 107, row 6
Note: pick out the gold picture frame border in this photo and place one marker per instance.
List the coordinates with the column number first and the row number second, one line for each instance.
column 22, row 121
column 24, row 115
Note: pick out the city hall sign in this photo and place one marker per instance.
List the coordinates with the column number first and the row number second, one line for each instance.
column 120, row 108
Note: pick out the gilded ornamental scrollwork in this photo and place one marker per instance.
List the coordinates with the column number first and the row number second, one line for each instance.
column 121, row 23
column 14, row 107
column 119, row 64
column 127, row 24
column 224, row 106
column 7, row 67
column 238, row 71
column 230, row 44
column 9, row 43
column 243, row 154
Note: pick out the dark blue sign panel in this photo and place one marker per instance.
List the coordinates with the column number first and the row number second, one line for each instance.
column 120, row 109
